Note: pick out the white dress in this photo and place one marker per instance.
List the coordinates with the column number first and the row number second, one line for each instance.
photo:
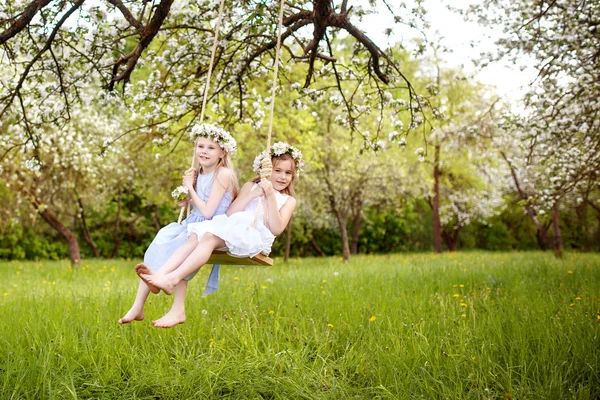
column 244, row 232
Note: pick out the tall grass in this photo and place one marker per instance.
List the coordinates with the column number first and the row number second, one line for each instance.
column 456, row 326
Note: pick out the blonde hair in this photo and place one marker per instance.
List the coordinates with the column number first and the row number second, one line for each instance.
column 224, row 162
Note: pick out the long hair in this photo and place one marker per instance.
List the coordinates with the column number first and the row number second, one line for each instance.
column 224, row 162
column 289, row 190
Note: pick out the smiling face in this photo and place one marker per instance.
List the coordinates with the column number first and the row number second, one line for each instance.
column 283, row 173
column 208, row 154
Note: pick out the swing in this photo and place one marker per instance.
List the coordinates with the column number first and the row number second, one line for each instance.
column 221, row 257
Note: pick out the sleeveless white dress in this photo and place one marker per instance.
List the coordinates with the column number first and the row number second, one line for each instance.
column 244, row 232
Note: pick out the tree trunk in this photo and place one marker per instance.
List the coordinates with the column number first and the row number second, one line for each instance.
column 541, row 235
column 344, row 232
column 288, row 240
column 558, row 241
column 156, row 219
column 437, row 227
column 451, row 240
column 315, row 245
column 356, row 229
column 74, row 253
column 86, row 232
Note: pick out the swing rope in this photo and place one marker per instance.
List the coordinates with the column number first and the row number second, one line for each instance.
column 266, row 166
column 220, row 257
column 205, row 97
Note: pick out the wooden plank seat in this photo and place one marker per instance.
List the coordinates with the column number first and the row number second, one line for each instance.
column 221, row 257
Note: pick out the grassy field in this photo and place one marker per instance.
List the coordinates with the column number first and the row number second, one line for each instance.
column 456, row 326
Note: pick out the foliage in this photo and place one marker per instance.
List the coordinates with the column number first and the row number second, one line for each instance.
column 553, row 147
column 52, row 51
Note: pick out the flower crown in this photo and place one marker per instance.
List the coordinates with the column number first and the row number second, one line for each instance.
column 279, row 149
column 216, row 134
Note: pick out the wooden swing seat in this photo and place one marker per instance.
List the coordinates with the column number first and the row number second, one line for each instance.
column 221, row 257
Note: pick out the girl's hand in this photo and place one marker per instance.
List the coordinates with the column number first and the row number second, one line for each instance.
column 189, row 177
column 256, row 192
column 183, row 203
column 267, row 187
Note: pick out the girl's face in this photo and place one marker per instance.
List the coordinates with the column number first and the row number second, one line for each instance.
column 282, row 174
column 208, row 153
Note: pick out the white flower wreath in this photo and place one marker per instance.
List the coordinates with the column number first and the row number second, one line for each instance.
column 216, row 134
column 278, row 149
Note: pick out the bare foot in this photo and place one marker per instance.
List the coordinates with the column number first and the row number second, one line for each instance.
column 162, row 282
column 169, row 320
column 132, row 315
column 142, row 268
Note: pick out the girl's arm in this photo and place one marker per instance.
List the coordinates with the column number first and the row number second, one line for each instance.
column 223, row 180
column 246, row 195
column 277, row 218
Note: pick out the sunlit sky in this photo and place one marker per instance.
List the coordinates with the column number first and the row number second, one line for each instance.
column 466, row 40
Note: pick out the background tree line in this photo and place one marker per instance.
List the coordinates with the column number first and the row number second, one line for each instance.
column 403, row 154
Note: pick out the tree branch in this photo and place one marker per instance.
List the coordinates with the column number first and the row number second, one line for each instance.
column 127, row 14
column 24, row 20
column 46, row 47
column 147, row 35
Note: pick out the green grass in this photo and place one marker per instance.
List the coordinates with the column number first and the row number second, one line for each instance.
column 456, row 326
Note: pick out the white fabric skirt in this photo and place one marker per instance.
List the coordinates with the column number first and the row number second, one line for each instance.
column 242, row 239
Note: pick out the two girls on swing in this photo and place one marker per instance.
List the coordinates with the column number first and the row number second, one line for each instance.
column 221, row 219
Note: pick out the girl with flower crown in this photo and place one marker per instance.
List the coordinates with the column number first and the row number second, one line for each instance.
column 242, row 231
column 210, row 190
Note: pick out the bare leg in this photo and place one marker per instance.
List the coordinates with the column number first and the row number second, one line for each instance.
column 136, row 312
column 172, row 263
column 197, row 259
column 176, row 314
column 180, row 255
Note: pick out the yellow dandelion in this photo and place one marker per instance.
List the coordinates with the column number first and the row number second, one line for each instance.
column 324, row 280
column 461, row 285
column 454, row 286
column 106, row 288
column 118, row 336
column 464, row 315
column 5, row 294
column 570, row 272
column 455, row 295
column 330, row 325
column 271, row 312
column 236, row 278
column 597, row 317
column 577, row 298
column 211, row 342
column 373, row 318
column 18, row 272
column 463, row 304
column 571, row 305
column 263, row 286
